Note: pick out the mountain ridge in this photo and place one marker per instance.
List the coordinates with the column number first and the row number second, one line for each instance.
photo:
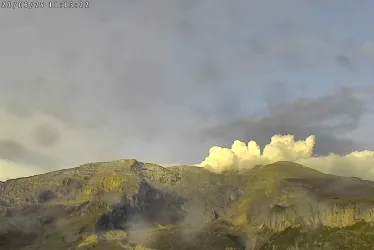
column 128, row 204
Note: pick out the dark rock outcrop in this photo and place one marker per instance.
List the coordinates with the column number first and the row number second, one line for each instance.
column 149, row 205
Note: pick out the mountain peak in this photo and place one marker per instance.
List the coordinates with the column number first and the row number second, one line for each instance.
column 137, row 201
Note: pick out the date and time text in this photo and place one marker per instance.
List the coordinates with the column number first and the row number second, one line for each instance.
column 45, row 4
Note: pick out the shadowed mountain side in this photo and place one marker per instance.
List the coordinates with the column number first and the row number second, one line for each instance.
column 127, row 204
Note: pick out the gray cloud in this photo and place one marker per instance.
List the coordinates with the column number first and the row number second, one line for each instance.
column 14, row 151
column 345, row 62
column 147, row 80
column 328, row 118
column 368, row 49
column 46, row 135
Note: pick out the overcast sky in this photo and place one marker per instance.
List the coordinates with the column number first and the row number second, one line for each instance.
column 165, row 80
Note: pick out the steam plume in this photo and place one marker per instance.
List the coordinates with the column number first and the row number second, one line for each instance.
column 284, row 147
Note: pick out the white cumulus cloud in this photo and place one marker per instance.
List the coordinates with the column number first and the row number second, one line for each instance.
column 285, row 148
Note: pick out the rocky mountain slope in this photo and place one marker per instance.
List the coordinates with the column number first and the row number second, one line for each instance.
column 127, row 204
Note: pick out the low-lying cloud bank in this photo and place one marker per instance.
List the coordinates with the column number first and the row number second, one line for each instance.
column 284, row 147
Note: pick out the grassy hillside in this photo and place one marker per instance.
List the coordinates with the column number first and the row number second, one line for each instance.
column 127, row 204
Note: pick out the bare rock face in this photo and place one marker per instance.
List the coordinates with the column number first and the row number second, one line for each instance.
column 316, row 214
column 322, row 201
column 155, row 173
column 148, row 206
column 127, row 204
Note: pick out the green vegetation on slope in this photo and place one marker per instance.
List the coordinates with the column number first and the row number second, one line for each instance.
column 359, row 236
column 127, row 204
